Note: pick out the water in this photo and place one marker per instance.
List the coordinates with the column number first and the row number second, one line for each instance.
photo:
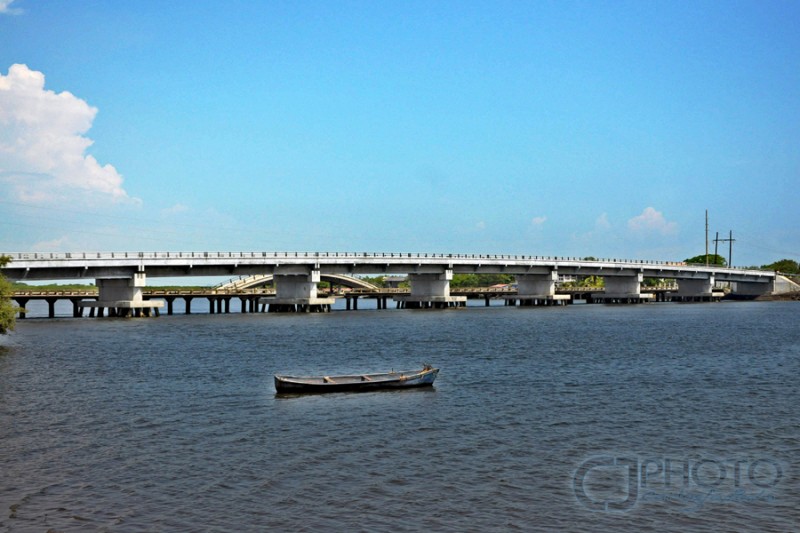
column 172, row 423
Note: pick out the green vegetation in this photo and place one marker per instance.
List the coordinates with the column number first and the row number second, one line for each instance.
column 585, row 281
column 480, row 280
column 378, row 281
column 18, row 286
column 784, row 266
column 175, row 288
column 713, row 259
column 8, row 311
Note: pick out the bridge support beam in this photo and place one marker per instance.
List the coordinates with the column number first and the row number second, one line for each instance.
column 623, row 289
column 697, row 290
column 297, row 293
column 430, row 291
column 122, row 297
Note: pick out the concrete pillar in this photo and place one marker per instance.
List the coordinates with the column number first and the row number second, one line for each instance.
column 431, row 284
column 538, row 289
column 122, row 294
column 696, row 289
column 51, row 307
column 21, row 303
column 536, row 285
column 123, row 289
column 746, row 288
column 297, row 292
column 297, row 286
column 623, row 288
column 170, row 300
column 430, row 291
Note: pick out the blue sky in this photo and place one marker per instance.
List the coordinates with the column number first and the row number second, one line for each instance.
column 545, row 128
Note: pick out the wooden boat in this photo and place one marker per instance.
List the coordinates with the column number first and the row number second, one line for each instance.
column 358, row 382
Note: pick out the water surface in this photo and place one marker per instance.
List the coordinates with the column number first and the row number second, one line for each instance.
column 172, row 423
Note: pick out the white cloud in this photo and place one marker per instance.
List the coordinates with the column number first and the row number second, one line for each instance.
column 602, row 223
column 481, row 225
column 42, row 146
column 601, row 236
column 52, row 245
column 652, row 221
column 6, row 9
column 538, row 221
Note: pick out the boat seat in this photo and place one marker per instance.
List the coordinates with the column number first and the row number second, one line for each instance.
column 327, row 379
column 365, row 378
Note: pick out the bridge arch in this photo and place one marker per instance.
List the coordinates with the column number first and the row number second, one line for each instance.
column 258, row 280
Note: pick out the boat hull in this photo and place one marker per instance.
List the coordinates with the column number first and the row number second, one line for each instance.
column 356, row 383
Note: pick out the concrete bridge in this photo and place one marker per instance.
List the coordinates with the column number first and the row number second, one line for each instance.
column 121, row 276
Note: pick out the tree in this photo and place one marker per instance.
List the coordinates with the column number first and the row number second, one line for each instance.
column 480, row 280
column 786, row 266
column 8, row 311
column 717, row 260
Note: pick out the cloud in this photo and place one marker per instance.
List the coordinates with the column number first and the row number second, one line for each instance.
column 6, row 9
column 42, row 146
column 481, row 225
column 538, row 221
column 51, row 245
column 602, row 234
column 652, row 222
column 602, row 223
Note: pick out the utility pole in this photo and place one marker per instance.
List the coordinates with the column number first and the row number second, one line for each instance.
column 706, row 237
column 730, row 249
column 716, row 242
column 729, row 240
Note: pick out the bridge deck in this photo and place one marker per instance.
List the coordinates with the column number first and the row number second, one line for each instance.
column 84, row 265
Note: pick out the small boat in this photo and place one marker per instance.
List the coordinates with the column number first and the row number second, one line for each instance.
column 358, row 382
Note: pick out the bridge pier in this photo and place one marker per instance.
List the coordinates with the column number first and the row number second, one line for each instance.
column 697, row 290
column 623, row 289
column 219, row 304
column 77, row 310
column 537, row 290
column 249, row 304
column 297, row 293
column 430, row 291
column 122, row 296
column 21, row 303
column 749, row 290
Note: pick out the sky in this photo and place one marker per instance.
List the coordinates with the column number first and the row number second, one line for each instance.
column 565, row 128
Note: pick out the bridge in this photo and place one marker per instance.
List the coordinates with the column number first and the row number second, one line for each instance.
column 121, row 276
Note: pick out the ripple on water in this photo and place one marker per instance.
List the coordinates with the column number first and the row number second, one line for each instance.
column 173, row 424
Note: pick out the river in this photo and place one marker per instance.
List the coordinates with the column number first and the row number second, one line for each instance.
column 655, row 417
